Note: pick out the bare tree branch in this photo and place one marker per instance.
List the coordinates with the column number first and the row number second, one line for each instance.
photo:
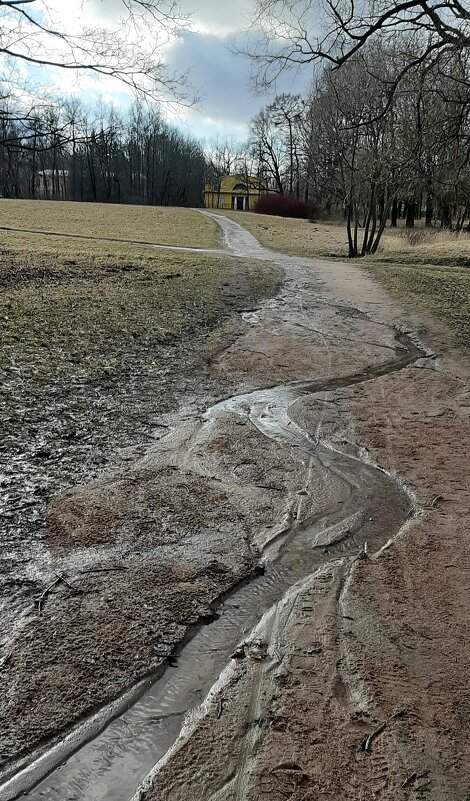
column 297, row 32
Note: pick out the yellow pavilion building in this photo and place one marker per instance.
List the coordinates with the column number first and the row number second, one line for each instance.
column 236, row 192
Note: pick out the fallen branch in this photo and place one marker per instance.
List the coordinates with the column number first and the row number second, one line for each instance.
column 409, row 779
column 39, row 602
column 366, row 744
column 68, row 584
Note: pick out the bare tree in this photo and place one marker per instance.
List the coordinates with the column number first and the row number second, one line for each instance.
column 269, row 143
column 286, row 111
column 129, row 50
column 336, row 30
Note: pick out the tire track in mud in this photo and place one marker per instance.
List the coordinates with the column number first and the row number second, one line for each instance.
column 365, row 505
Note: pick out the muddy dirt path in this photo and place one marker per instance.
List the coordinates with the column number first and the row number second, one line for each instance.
column 296, row 714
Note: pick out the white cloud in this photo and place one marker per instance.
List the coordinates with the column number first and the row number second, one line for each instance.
column 219, row 17
column 228, row 101
column 222, row 78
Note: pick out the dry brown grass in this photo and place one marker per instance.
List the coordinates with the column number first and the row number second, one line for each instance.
column 425, row 246
column 159, row 225
column 296, row 237
column 33, row 256
column 97, row 341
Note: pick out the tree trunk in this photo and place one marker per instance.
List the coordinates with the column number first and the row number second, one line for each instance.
column 381, row 206
column 419, row 210
column 446, row 216
column 351, row 252
column 365, row 238
column 429, row 210
column 394, row 218
column 356, row 227
column 410, row 214
column 375, row 244
column 373, row 229
column 33, row 169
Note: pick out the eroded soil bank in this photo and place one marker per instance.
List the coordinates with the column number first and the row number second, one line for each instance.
column 354, row 685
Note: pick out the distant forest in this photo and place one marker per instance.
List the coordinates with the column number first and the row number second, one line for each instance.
column 67, row 152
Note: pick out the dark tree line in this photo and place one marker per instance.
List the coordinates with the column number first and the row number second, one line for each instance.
column 65, row 152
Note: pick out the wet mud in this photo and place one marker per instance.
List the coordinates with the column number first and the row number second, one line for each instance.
column 259, row 700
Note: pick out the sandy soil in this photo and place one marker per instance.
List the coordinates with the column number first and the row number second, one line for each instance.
column 362, row 693
column 355, row 685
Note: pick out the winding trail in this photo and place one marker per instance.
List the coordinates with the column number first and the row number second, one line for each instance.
column 339, row 507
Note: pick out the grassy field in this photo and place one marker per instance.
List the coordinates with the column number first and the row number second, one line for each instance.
column 304, row 238
column 430, row 268
column 160, row 225
column 97, row 341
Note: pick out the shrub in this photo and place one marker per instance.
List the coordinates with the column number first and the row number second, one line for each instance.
column 416, row 236
column 286, row 206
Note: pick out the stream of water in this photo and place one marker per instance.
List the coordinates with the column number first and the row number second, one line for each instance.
column 366, row 505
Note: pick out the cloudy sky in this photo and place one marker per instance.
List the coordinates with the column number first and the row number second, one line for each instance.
column 206, row 50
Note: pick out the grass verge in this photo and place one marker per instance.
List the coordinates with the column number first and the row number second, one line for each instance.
column 444, row 292
column 295, row 237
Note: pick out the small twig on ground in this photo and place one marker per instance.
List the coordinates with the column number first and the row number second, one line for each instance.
column 40, row 600
column 422, row 785
column 103, row 569
column 367, row 743
column 363, row 553
column 67, row 582
column 409, row 779
column 220, row 707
